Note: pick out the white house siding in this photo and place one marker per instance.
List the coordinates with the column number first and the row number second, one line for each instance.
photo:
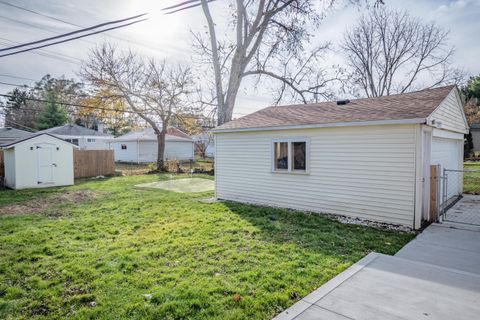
column 179, row 150
column 147, row 151
column 96, row 142
column 125, row 155
column 450, row 114
column 366, row 172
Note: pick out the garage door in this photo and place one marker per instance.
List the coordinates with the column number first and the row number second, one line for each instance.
column 446, row 152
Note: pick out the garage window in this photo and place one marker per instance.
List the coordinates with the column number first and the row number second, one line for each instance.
column 290, row 156
column 124, row 147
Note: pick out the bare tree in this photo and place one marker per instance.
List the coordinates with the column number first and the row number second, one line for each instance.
column 389, row 52
column 153, row 90
column 267, row 38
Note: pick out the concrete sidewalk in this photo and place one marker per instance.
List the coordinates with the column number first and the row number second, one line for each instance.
column 435, row 276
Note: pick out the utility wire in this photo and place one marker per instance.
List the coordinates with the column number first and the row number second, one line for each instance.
column 70, row 39
column 84, row 106
column 16, row 77
column 20, row 125
column 36, row 26
column 184, row 6
column 47, row 53
column 75, row 32
column 38, row 13
column 178, row 50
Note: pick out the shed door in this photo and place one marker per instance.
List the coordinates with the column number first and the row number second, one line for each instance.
column 446, row 152
column 46, row 165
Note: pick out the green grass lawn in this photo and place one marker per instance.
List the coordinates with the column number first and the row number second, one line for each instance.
column 103, row 249
column 471, row 180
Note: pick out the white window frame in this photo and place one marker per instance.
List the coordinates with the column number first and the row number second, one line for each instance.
column 290, row 141
column 90, row 140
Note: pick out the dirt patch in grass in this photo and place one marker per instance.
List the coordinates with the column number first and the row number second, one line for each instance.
column 45, row 205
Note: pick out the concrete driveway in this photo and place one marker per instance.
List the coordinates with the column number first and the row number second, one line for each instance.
column 435, row 276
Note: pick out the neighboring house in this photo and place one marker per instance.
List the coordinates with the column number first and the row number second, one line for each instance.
column 8, row 135
column 365, row 158
column 38, row 161
column 204, row 143
column 142, row 146
column 84, row 138
column 475, row 130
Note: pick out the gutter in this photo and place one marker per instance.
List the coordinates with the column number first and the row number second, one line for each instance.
column 326, row 125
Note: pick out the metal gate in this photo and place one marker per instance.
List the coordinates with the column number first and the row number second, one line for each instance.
column 453, row 184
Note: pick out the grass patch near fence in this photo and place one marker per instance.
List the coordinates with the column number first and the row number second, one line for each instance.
column 131, row 253
column 471, row 180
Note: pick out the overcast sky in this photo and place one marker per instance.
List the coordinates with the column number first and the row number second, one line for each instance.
column 168, row 36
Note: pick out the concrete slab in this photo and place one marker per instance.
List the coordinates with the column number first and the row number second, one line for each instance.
column 393, row 288
column 465, row 211
column 435, row 276
column 447, row 247
column 181, row 185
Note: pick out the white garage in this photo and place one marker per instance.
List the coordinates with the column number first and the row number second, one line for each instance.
column 38, row 161
column 364, row 158
column 141, row 146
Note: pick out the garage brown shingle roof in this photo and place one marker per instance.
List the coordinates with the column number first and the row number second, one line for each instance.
column 405, row 106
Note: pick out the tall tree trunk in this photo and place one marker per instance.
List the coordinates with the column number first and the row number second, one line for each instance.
column 161, row 150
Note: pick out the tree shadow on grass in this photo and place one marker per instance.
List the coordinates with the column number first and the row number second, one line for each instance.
column 319, row 233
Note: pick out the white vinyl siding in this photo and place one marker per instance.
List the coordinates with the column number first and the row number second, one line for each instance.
column 23, row 163
column 450, row 114
column 130, row 154
column 146, row 151
column 179, row 150
column 366, row 172
column 448, row 153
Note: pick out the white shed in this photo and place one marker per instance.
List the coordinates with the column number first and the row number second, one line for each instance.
column 141, row 146
column 365, row 158
column 38, row 161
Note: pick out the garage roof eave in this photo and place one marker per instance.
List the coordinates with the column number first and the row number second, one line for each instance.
column 326, row 125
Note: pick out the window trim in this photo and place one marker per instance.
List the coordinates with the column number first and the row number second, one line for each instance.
column 290, row 140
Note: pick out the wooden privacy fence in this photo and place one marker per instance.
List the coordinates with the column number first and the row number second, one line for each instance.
column 93, row 163
column 86, row 163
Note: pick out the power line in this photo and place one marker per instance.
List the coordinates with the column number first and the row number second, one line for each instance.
column 69, row 104
column 184, row 6
column 16, row 77
column 178, row 50
column 74, row 38
column 36, row 26
column 47, row 53
column 78, row 31
column 38, row 13
column 18, row 124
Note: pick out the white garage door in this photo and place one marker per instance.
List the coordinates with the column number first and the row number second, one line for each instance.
column 446, row 152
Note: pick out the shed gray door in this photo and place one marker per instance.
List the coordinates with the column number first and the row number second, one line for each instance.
column 46, row 165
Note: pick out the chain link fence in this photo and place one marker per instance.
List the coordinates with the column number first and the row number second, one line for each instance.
column 454, row 183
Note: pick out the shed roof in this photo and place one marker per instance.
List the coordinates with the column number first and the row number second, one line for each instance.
column 412, row 106
column 147, row 134
column 34, row 135
column 8, row 135
column 74, row 130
